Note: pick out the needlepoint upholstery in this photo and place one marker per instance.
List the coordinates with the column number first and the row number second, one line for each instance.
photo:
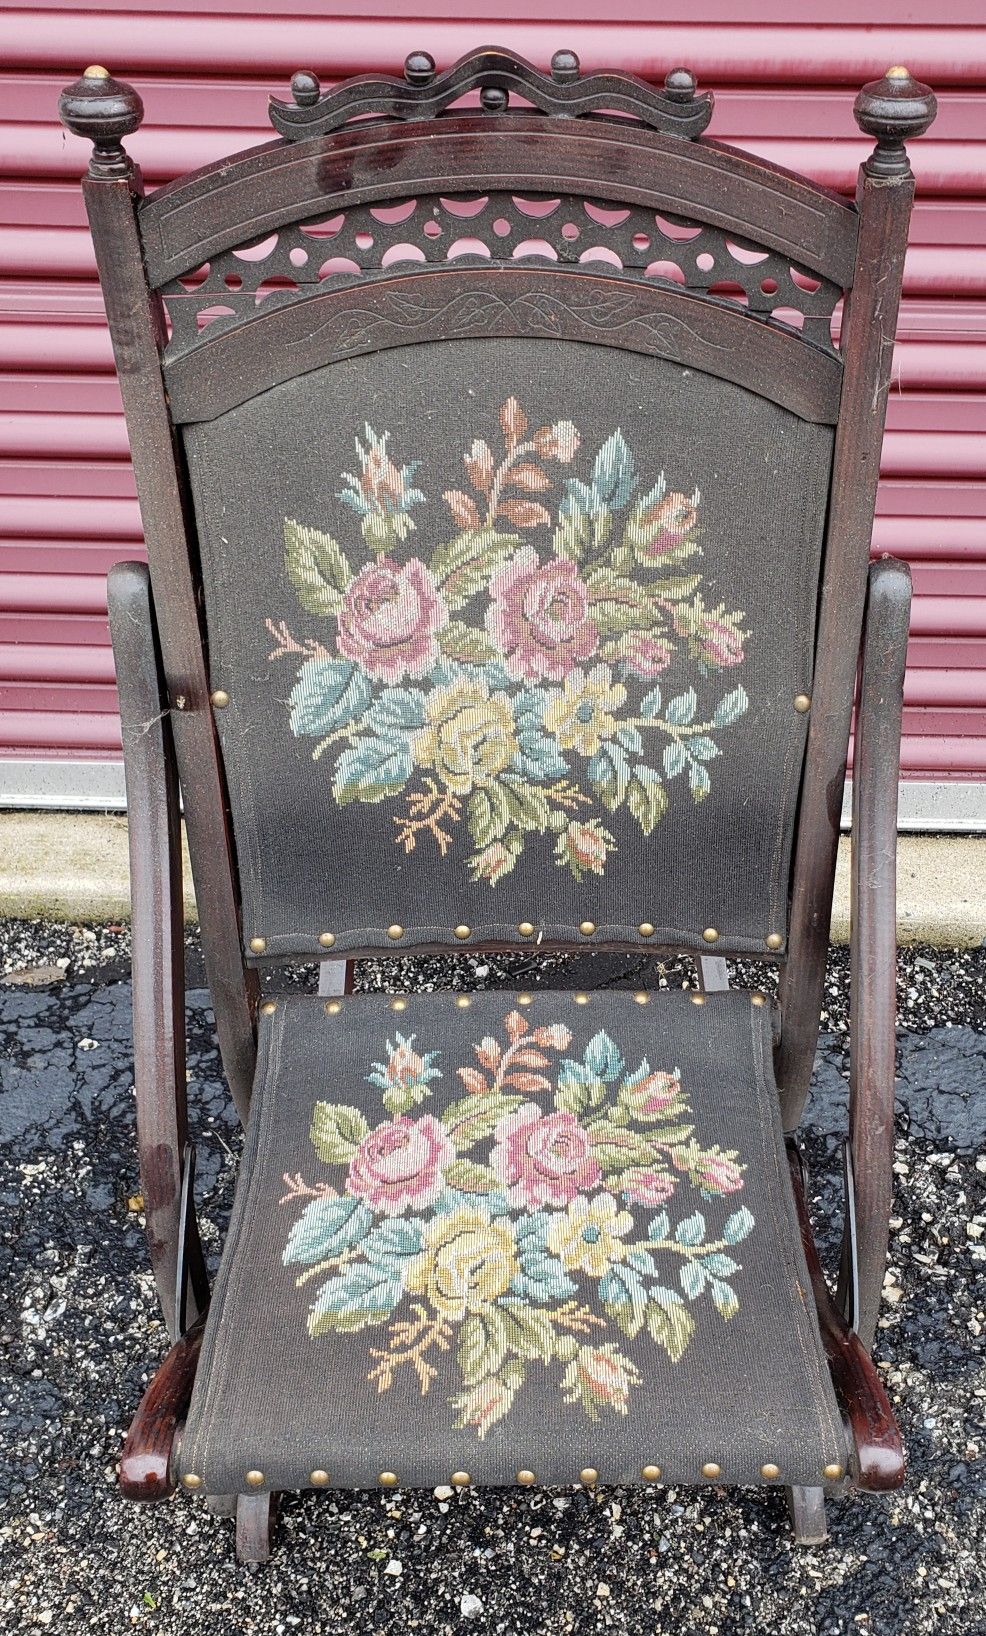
column 521, row 1234
column 511, row 632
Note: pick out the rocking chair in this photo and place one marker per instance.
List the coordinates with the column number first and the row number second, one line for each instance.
column 508, row 483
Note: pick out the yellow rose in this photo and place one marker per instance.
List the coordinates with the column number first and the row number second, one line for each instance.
column 587, row 1237
column 579, row 717
column 469, row 737
column 466, row 1263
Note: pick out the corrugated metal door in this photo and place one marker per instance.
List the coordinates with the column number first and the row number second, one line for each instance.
column 67, row 505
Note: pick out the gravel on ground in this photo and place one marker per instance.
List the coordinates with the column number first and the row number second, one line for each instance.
column 81, row 1334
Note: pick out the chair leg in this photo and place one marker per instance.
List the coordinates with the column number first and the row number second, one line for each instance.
column 807, row 1508
column 255, row 1518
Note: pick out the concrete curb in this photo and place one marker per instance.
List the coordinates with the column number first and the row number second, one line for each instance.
column 73, row 866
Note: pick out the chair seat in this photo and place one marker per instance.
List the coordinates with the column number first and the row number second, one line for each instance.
column 510, row 1233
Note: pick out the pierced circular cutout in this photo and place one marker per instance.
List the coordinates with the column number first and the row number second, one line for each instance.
column 674, row 228
column 535, row 247
column 535, row 207
column 601, row 252
column 502, row 227
column 256, row 252
column 402, row 252
column 364, row 241
column 769, row 286
column 338, row 264
column 704, row 262
column 640, row 241
column 394, row 213
column 605, row 215
column 665, row 269
column 466, row 207
column 298, row 257
column 467, row 247
column 233, row 281
column 569, row 231
column 432, row 230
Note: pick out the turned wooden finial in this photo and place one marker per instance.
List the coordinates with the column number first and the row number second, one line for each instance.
column 104, row 111
column 892, row 111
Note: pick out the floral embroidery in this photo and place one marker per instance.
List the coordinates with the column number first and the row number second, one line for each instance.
column 506, row 678
column 503, row 1226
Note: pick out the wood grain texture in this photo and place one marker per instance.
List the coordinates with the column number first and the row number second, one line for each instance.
column 877, row 1462
column 147, row 1462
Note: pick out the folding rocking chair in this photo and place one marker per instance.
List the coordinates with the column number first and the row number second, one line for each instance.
column 508, row 487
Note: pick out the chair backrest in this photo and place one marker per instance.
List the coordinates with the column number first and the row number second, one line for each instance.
column 524, row 472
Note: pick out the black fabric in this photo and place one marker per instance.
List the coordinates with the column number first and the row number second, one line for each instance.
column 485, row 689
column 479, row 1202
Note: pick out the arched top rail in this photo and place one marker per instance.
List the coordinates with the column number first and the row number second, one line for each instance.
column 240, row 200
column 232, row 364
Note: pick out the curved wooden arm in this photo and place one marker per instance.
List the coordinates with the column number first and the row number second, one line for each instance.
column 873, row 942
column 158, row 929
column 147, row 1461
column 878, row 1454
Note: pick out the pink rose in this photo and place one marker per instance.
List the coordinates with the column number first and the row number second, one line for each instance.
column 649, row 1187
column 648, row 656
column 400, row 1165
column 713, row 1172
column 721, row 643
column 539, row 617
column 543, row 1160
column 665, row 525
column 389, row 617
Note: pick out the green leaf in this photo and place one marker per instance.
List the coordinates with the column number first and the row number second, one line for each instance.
column 675, row 587
column 699, row 782
column 373, row 769
column 357, row 1298
column 738, row 1226
column 617, row 1147
column 316, row 566
column 681, row 710
column 463, row 642
column 609, row 772
column 670, row 1323
column 326, row 1228
column 730, row 708
column 650, row 704
column 482, row 1344
column 624, row 1297
column 528, row 806
column 620, row 604
column 470, row 1177
column 613, row 472
column 724, row 1299
column 573, row 535
column 327, row 694
column 719, row 1265
column 473, row 1118
column 529, row 1333
column 675, row 760
column 463, row 565
column 337, row 1132
column 488, row 813
column 647, row 798
column 691, row 1231
column 692, row 1279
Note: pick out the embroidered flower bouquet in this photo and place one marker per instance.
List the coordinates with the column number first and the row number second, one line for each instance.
column 507, row 676
column 484, row 1227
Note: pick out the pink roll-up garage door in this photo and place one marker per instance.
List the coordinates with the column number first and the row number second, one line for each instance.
column 784, row 89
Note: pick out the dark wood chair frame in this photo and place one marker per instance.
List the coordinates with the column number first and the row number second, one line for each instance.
column 619, row 140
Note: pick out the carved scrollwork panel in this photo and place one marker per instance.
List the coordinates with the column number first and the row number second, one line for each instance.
column 629, row 242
